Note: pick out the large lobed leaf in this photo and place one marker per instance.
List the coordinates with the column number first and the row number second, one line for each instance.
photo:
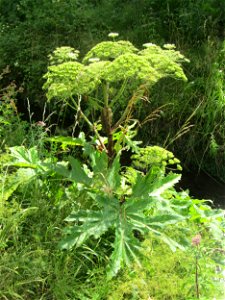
column 147, row 185
column 126, row 250
column 90, row 223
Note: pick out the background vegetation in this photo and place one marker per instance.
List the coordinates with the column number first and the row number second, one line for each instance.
column 38, row 190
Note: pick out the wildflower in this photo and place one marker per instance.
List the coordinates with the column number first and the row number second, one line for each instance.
column 196, row 240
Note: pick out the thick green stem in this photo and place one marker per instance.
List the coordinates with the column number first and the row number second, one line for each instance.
column 105, row 89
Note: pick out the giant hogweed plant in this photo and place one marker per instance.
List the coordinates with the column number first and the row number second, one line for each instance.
column 134, row 201
column 109, row 72
column 128, row 202
column 131, row 203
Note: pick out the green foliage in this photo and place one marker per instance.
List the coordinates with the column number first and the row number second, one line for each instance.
column 31, row 215
column 116, row 202
column 170, row 275
column 90, row 194
column 118, row 205
column 188, row 119
column 30, row 168
column 30, row 31
column 127, row 204
column 30, row 263
column 12, row 215
column 12, row 128
column 121, row 204
column 211, row 115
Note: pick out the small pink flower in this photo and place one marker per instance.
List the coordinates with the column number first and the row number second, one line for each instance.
column 196, row 240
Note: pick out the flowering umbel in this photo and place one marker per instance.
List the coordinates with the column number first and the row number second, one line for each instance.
column 196, row 240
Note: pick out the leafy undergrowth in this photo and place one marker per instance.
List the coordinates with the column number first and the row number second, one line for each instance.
column 33, row 266
column 167, row 275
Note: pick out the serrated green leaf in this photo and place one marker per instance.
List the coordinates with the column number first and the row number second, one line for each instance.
column 99, row 162
column 29, row 158
column 113, row 176
column 25, row 156
column 62, row 169
column 171, row 243
column 142, row 186
column 161, row 185
column 106, row 201
column 126, row 249
column 69, row 241
column 77, row 173
column 162, row 220
column 139, row 205
column 13, row 181
column 94, row 223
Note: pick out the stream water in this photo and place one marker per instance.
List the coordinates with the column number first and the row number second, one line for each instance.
column 202, row 186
